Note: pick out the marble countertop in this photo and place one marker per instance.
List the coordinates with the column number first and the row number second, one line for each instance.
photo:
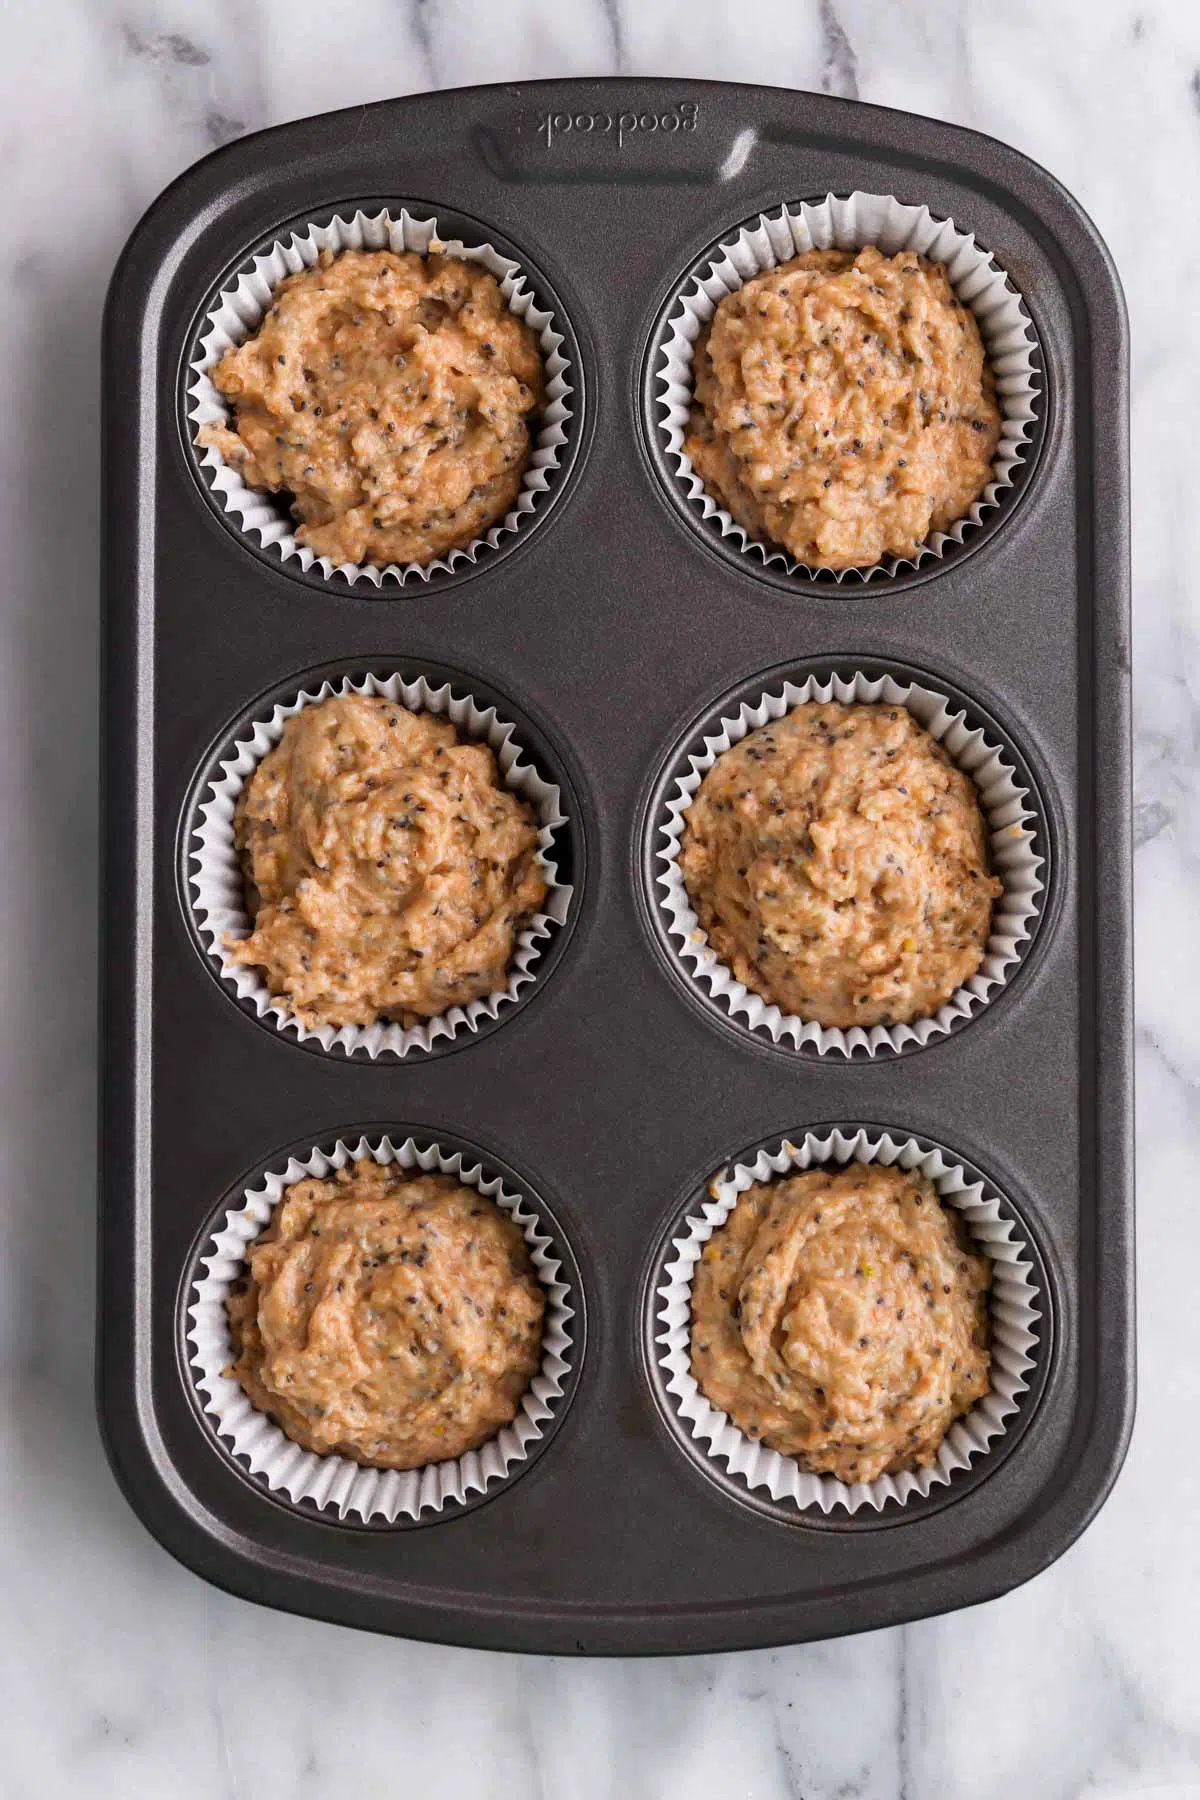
column 123, row 1675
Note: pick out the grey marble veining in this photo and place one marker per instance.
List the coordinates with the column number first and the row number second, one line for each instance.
column 122, row 1675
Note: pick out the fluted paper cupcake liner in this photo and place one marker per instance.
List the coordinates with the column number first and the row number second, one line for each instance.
column 217, row 883
column 241, row 307
column 852, row 223
column 1018, row 859
column 1016, row 1307
column 329, row 1481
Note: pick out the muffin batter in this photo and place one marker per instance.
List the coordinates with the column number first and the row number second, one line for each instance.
column 840, row 1317
column 838, row 863
column 389, row 396
column 388, row 872
column 843, row 406
column 394, row 1318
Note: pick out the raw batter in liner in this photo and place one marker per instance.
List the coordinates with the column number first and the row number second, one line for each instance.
column 837, row 860
column 388, row 872
column 394, row 1318
column 390, row 396
column 844, row 407
column 840, row 1317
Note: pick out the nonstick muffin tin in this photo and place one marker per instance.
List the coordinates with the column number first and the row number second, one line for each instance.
column 614, row 628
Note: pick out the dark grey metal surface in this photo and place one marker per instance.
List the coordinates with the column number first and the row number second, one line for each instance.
column 611, row 627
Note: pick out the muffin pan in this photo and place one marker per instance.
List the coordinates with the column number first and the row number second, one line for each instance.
column 847, row 223
column 332, row 1484
column 211, row 876
column 1013, row 813
column 241, row 302
column 611, row 628
column 1019, row 1314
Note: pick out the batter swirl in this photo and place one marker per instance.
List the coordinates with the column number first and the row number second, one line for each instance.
column 840, row 1317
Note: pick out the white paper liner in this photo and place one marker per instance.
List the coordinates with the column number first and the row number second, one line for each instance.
column 217, row 883
column 1018, row 859
column 332, row 1481
column 853, row 223
column 1015, row 1305
column 240, row 309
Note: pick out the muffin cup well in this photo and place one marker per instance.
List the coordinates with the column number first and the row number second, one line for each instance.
column 238, row 310
column 1018, row 856
column 329, row 1481
column 1017, row 1304
column 217, row 884
column 850, row 223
